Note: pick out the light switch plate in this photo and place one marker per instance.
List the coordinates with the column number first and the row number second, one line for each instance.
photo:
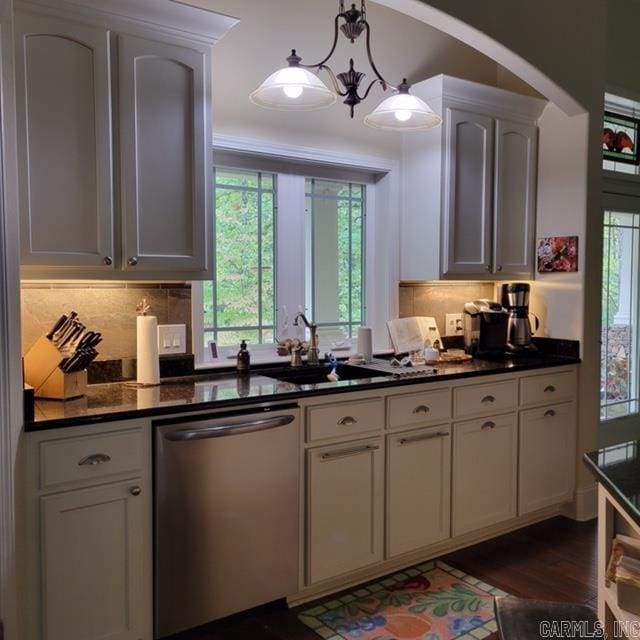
column 172, row 338
column 453, row 324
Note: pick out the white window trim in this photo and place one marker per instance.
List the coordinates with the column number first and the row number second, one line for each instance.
column 293, row 164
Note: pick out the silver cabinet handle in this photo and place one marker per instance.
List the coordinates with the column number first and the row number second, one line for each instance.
column 133, row 261
column 422, row 409
column 347, row 421
column 201, row 432
column 488, row 425
column 108, row 260
column 94, row 459
column 488, row 399
column 135, row 491
column 549, row 413
column 549, row 389
column 426, row 436
column 349, row 452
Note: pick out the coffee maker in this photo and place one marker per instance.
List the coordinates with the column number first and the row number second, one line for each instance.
column 485, row 329
column 515, row 299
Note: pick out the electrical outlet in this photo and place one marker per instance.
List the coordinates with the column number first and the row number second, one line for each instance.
column 453, row 322
column 172, row 338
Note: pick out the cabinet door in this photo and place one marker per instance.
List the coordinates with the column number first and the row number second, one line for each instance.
column 514, row 188
column 64, row 143
column 165, row 150
column 345, row 503
column 93, row 564
column 418, row 489
column 468, row 210
column 484, row 472
column 547, row 455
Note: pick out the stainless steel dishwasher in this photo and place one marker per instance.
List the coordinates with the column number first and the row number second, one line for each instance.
column 226, row 514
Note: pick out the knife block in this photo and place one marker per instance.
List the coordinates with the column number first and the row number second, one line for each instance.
column 42, row 371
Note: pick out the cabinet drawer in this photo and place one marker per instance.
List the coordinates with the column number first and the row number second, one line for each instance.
column 483, row 399
column 419, row 408
column 547, row 387
column 90, row 457
column 344, row 419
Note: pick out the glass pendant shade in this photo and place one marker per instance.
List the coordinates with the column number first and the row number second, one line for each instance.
column 403, row 112
column 293, row 88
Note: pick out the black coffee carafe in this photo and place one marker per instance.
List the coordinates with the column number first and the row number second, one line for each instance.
column 515, row 299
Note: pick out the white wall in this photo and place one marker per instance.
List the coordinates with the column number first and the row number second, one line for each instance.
column 561, row 204
column 257, row 46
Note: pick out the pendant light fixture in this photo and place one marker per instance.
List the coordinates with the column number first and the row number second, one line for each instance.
column 296, row 88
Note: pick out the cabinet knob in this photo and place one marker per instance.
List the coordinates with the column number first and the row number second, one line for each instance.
column 133, row 261
column 549, row 389
column 421, row 409
column 488, row 425
column 499, row 267
column 487, row 267
column 347, row 421
column 135, row 491
column 549, row 413
column 488, row 400
column 108, row 260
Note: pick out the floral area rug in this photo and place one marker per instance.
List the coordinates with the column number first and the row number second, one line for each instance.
column 432, row 601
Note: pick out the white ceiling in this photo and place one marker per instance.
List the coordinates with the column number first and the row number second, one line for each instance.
column 269, row 29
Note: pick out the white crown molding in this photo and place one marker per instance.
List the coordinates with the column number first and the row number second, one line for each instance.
column 167, row 16
column 295, row 153
column 491, row 100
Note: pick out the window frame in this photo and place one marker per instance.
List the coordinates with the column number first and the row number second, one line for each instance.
column 628, row 204
column 290, row 248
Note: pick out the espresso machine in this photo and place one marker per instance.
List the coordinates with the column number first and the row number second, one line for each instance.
column 515, row 299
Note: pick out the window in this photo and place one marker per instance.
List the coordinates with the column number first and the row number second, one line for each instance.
column 282, row 242
column 625, row 107
column 619, row 355
column 334, row 234
column 240, row 303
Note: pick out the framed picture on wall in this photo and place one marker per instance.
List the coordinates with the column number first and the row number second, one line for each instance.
column 558, row 254
column 620, row 138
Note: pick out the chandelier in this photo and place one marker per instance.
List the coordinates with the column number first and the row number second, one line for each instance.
column 296, row 88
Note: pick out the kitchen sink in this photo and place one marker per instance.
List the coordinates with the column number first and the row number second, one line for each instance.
column 318, row 374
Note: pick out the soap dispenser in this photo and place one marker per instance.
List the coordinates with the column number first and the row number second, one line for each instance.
column 244, row 359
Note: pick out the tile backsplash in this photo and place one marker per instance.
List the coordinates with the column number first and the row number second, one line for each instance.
column 437, row 298
column 109, row 308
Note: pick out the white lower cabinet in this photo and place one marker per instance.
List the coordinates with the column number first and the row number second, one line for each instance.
column 92, row 544
column 345, row 507
column 85, row 556
column 418, row 489
column 485, row 457
column 546, row 457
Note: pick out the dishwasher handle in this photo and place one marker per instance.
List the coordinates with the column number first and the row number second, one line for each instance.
column 194, row 432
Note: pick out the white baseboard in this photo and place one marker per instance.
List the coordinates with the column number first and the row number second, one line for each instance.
column 585, row 505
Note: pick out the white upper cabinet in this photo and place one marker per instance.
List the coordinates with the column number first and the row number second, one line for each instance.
column 516, row 154
column 469, row 187
column 115, row 84
column 64, row 142
column 164, row 168
column 467, row 197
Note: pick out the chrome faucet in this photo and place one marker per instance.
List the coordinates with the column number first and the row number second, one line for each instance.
column 313, row 356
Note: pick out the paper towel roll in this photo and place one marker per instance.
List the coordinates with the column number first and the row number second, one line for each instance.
column 148, row 363
column 365, row 343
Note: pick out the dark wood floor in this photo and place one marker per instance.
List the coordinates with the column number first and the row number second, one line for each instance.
column 551, row 560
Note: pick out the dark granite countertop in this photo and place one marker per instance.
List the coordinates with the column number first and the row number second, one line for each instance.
column 618, row 469
column 120, row 401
